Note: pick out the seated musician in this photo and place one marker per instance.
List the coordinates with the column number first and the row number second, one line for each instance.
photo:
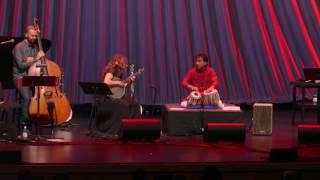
column 25, row 54
column 111, row 110
column 202, row 80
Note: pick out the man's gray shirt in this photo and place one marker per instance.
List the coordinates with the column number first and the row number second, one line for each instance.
column 20, row 53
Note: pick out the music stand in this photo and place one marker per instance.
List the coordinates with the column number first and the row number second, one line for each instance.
column 33, row 81
column 94, row 88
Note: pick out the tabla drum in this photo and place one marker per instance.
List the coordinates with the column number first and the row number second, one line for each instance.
column 194, row 100
column 211, row 98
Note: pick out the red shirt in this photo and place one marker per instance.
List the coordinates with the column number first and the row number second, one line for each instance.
column 202, row 79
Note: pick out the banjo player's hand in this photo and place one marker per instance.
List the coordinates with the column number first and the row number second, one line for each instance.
column 132, row 78
column 122, row 84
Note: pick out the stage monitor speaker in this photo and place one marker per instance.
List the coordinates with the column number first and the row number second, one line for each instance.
column 283, row 154
column 262, row 119
column 10, row 157
column 8, row 130
column 308, row 133
column 140, row 128
column 225, row 132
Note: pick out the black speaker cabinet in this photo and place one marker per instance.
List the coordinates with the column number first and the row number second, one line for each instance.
column 140, row 128
column 283, row 154
column 225, row 132
column 8, row 130
column 308, row 133
column 10, row 157
column 262, row 119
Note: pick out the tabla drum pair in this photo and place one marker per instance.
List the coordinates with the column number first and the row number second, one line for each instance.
column 208, row 99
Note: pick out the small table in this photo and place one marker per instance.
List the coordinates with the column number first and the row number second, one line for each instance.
column 303, row 104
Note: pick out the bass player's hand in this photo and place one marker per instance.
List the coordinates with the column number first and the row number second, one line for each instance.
column 40, row 55
column 30, row 60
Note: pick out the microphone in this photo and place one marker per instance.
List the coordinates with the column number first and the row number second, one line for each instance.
column 7, row 42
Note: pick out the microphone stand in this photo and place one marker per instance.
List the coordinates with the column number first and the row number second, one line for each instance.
column 202, row 116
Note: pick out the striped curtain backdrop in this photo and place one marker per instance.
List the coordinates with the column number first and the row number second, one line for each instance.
column 256, row 46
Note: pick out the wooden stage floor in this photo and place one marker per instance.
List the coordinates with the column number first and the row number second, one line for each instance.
column 83, row 157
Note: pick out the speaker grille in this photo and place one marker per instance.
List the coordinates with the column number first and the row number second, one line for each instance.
column 262, row 118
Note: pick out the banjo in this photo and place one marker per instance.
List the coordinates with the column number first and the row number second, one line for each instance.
column 119, row 92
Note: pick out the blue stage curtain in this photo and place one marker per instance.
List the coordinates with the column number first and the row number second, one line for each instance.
column 256, row 46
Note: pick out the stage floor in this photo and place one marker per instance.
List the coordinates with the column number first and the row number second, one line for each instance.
column 79, row 153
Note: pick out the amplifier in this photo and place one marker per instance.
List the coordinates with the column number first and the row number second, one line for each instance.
column 262, row 119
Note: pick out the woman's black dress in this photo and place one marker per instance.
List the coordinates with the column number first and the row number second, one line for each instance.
column 110, row 111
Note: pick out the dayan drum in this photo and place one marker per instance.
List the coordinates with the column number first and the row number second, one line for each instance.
column 194, row 98
column 211, row 97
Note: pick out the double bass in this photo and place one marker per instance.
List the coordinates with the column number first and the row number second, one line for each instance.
column 54, row 106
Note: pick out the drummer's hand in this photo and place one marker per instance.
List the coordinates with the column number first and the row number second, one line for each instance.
column 209, row 89
column 40, row 55
column 193, row 88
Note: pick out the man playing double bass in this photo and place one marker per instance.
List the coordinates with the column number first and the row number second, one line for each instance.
column 25, row 54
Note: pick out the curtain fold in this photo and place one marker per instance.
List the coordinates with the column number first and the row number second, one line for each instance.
column 256, row 46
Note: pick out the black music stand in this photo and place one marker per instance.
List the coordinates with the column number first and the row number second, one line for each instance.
column 33, row 81
column 94, row 88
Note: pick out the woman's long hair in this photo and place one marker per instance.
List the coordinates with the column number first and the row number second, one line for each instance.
column 118, row 62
